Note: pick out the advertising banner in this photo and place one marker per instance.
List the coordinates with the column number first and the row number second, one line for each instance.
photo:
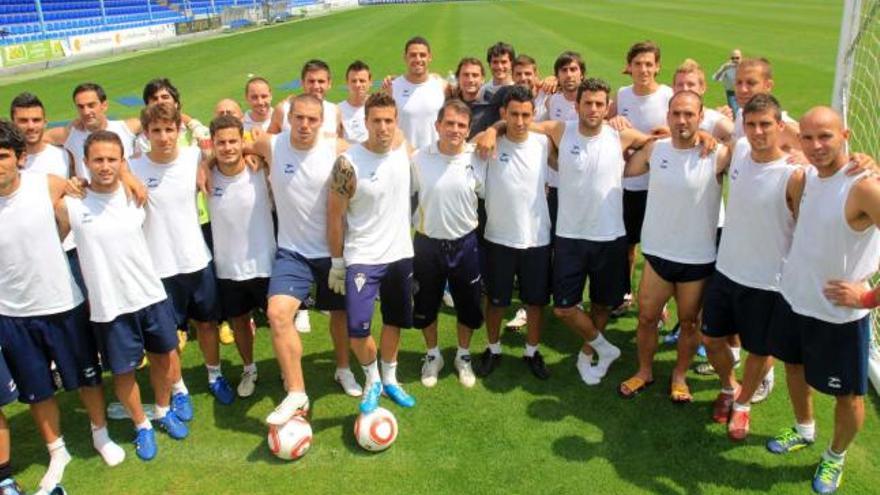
column 108, row 40
column 34, row 51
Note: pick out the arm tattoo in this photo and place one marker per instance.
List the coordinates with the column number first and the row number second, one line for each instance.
column 343, row 174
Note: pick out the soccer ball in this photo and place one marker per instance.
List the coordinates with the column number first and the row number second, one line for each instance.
column 376, row 431
column 291, row 440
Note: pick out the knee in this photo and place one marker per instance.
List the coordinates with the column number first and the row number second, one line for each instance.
column 714, row 344
column 649, row 319
column 564, row 313
column 279, row 316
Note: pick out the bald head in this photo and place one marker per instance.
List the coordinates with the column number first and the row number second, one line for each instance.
column 822, row 115
column 736, row 55
column 823, row 138
column 227, row 106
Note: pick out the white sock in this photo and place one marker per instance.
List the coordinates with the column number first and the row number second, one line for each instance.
column 742, row 407
column 58, row 459
column 585, row 359
column 495, row 348
column 807, row 431
column 146, row 425
column 831, row 455
column 530, row 350
column 179, row 387
column 371, row 372
column 389, row 373
column 462, row 352
column 110, row 451
column 736, row 351
column 728, row 390
column 214, row 372
column 250, row 368
column 161, row 411
column 600, row 344
column 434, row 352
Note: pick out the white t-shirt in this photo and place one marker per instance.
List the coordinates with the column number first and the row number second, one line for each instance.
column 448, row 186
column 52, row 160
column 77, row 138
column 249, row 123
column 353, row 122
column 417, row 107
column 644, row 112
column 329, row 127
column 116, row 263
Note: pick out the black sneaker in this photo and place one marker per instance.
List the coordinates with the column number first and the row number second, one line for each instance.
column 488, row 363
column 536, row 364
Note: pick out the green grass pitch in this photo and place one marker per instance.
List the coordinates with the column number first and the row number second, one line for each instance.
column 511, row 433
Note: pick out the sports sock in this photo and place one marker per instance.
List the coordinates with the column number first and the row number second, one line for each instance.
column 461, row 352
column 807, row 430
column 742, row 407
column 146, row 425
column 214, row 372
column 585, row 359
column 58, row 459
column 736, row 351
column 434, row 352
column 830, row 455
column 250, row 368
column 495, row 348
column 371, row 372
column 600, row 344
column 110, row 451
column 530, row 350
column 389, row 373
column 179, row 387
column 728, row 390
column 161, row 411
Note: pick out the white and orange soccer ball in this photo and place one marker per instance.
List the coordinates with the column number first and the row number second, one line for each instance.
column 291, row 440
column 376, row 431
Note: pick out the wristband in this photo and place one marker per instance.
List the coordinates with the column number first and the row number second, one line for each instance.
column 868, row 299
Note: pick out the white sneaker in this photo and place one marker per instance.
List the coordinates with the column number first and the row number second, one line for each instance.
column 288, row 408
column 519, row 320
column 764, row 389
column 431, row 370
column 447, row 299
column 247, row 384
column 465, row 372
column 301, row 321
column 605, row 360
column 345, row 378
column 586, row 371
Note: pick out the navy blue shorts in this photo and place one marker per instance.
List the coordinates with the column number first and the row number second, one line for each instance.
column 605, row 263
column 294, row 274
column 438, row 261
column 8, row 389
column 553, row 208
column 392, row 282
column 30, row 344
column 634, row 204
column 76, row 271
column 123, row 341
column 679, row 273
column 193, row 295
column 530, row 266
column 239, row 297
column 834, row 355
column 730, row 308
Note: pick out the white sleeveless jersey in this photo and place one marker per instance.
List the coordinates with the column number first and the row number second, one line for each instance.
column 241, row 225
column 516, row 204
column 541, row 106
column 738, row 124
column 681, row 215
column 448, row 187
column 825, row 247
column 711, row 118
column 378, row 216
column 116, row 263
column 758, row 226
column 329, row 127
column 353, row 122
column 558, row 108
column 35, row 279
column 53, row 161
column 172, row 228
column 417, row 107
column 249, row 123
column 77, row 138
column 644, row 112
column 590, row 185
column 300, row 181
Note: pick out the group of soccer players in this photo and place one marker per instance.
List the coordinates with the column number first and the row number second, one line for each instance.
column 512, row 184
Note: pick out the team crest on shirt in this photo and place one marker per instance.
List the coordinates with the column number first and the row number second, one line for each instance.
column 624, row 112
column 373, row 176
column 504, row 158
column 834, row 382
column 10, row 386
column 360, row 279
column 407, row 92
column 575, row 150
column 290, row 168
column 152, row 182
column 218, row 192
column 664, row 163
column 86, row 217
column 734, row 174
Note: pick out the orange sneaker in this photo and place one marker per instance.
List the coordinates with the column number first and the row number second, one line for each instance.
column 721, row 408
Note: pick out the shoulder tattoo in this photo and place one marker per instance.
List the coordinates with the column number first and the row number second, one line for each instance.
column 342, row 176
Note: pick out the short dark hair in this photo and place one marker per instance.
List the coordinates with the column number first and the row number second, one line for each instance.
column 524, row 59
column 499, row 49
column 519, row 93
column 641, row 47
column 593, row 85
column 226, row 122
column 568, row 57
column 469, row 61
column 255, row 79
column 416, row 40
column 684, row 93
column 159, row 111
column 90, row 86
column 379, row 99
column 11, row 138
column 761, row 63
column 307, row 98
column 457, row 106
column 357, row 66
column 314, row 65
column 103, row 136
column 158, row 84
column 25, row 100
column 762, row 103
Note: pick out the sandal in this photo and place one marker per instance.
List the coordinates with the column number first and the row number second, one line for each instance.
column 633, row 387
column 679, row 393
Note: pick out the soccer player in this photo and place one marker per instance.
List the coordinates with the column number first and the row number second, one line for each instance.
column 754, row 76
column 525, row 73
column 301, row 161
column 42, row 310
column 821, row 327
column 192, row 132
column 469, row 80
column 448, row 178
column 316, row 81
column 368, row 222
column 689, row 76
column 517, row 230
column 129, row 310
column 570, row 71
column 228, row 106
column 177, row 245
column 678, row 237
column 258, row 94
column 27, row 112
column 500, row 58
column 359, row 80
column 244, row 239
column 419, row 95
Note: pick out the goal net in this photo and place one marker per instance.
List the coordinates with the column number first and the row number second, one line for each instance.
column 857, row 96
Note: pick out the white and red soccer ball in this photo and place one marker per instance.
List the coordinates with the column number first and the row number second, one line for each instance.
column 291, row 440
column 375, row 431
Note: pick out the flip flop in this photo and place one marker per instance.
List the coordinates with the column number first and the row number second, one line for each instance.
column 679, row 393
column 634, row 387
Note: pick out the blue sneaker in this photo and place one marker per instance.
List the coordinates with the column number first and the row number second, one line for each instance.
column 370, row 400
column 182, row 406
column 787, row 441
column 701, row 351
column 222, row 391
column 399, row 396
column 145, row 443
column 829, row 475
column 10, row 487
column 172, row 425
